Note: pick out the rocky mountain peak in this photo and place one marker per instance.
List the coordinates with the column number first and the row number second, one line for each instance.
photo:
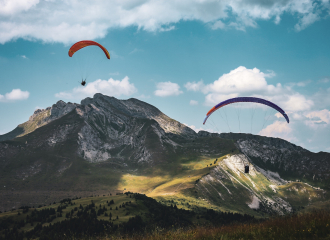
column 38, row 112
column 137, row 109
column 60, row 108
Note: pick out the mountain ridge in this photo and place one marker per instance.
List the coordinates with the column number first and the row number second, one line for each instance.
column 105, row 144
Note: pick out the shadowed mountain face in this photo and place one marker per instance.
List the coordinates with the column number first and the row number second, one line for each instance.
column 103, row 128
column 105, row 144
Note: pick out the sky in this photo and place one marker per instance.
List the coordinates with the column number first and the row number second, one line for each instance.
column 183, row 57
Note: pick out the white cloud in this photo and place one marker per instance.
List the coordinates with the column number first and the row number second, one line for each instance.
column 10, row 7
column 193, row 102
column 238, row 80
column 304, row 83
column 317, row 118
column 213, row 98
column 15, row 94
column 322, row 98
column 306, row 20
column 193, row 86
column 251, row 82
column 166, row 29
column 295, row 102
column 278, row 129
column 193, row 127
column 23, row 56
column 109, row 87
column 165, row 89
column 68, row 21
column 309, row 129
column 218, row 24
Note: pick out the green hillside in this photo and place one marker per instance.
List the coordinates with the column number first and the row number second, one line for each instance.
column 100, row 215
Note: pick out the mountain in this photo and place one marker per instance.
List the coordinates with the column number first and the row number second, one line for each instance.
column 107, row 145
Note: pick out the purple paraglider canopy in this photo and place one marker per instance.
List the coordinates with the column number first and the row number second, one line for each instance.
column 246, row 99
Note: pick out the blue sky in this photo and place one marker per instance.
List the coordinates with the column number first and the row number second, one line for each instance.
column 183, row 57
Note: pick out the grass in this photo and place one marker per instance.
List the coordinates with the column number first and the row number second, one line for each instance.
column 300, row 194
column 314, row 225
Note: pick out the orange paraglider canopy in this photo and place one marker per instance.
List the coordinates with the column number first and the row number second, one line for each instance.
column 79, row 45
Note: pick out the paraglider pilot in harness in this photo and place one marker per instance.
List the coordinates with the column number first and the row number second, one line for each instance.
column 246, row 168
column 83, row 82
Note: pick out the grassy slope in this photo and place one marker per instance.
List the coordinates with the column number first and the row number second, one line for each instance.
column 136, row 208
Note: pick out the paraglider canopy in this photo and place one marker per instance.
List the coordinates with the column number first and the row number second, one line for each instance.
column 79, row 45
column 247, row 99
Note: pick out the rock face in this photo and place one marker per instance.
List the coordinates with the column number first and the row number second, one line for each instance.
column 128, row 125
column 40, row 118
column 285, row 157
column 277, row 168
column 111, row 128
column 227, row 184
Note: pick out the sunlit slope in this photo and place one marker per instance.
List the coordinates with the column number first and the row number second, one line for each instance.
column 220, row 183
column 181, row 171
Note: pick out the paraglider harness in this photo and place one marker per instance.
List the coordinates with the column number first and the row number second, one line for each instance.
column 83, row 82
column 246, row 168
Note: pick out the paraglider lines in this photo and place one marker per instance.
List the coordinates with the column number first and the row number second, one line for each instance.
column 226, row 121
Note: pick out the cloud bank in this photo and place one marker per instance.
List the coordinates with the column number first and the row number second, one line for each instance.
column 68, row 21
column 250, row 82
column 309, row 115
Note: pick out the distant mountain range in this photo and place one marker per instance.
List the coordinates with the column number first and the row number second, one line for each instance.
column 108, row 145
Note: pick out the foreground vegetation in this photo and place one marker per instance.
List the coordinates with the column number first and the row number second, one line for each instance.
column 136, row 216
column 314, row 225
column 106, row 216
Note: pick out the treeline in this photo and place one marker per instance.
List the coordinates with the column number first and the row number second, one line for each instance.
column 168, row 216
